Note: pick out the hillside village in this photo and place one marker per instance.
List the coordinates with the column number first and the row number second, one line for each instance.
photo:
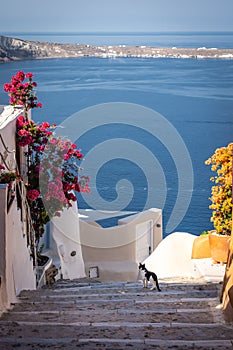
column 12, row 49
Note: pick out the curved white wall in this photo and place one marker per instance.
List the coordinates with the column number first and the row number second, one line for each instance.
column 172, row 257
column 65, row 231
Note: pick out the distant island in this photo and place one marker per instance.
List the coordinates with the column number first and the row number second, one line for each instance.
column 12, row 49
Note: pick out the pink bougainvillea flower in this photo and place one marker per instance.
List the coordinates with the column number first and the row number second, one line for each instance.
column 20, row 76
column 53, row 141
column 20, row 119
column 61, row 196
column 52, row 187
column 39, row 149
column 45, row 125
column 59, row 183
column 22, row 93
column 23, row 132
column 7, row 87
column 29, row 75
column 32, row 195
column 25, row 141
column 66, row 156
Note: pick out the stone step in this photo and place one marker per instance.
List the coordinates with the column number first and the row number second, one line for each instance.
column 113, row 344
column 165, row 298
column 104, row 292
column 126, row 286
column 138, row 289
column 66, row 305
column 165, row 315
column 123, row 330
column 121, row 296
column 91, row 316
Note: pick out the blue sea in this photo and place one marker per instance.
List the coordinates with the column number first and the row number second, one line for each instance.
column 145, row 125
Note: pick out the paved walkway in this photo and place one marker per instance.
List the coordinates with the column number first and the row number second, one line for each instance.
column 89, row 315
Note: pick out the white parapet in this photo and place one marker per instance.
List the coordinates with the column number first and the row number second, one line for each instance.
column 172, row 257
column 116, row 251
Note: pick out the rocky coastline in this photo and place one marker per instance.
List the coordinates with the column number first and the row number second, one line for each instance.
column 12, row 49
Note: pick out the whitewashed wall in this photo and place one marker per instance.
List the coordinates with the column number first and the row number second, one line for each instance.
column 66, row 234
column 113, row 250
column 16, row 265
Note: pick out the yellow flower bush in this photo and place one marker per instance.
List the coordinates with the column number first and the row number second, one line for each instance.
column 221, row 198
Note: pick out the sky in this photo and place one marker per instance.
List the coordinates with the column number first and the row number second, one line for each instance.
column 115, row 15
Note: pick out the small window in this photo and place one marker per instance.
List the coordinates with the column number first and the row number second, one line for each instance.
column 94, row 272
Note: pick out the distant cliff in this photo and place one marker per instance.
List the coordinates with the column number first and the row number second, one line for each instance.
column 12, row 49
column 15, row 49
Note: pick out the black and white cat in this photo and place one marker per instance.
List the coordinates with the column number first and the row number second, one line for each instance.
column 147, row 276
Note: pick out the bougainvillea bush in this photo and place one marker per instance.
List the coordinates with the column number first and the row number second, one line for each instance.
column 221, row 163
column 22, row 94
column 53, row 170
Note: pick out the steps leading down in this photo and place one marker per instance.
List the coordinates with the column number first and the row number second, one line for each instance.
column 85, row 314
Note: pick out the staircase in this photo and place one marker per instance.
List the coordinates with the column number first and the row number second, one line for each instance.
column 85, row 314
